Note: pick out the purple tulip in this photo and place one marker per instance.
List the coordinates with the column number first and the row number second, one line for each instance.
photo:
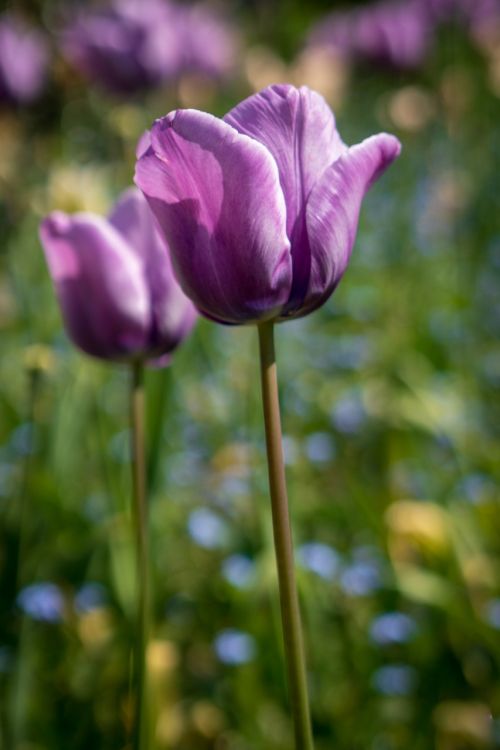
column 208, row 45
column 461, row 10
column 390, row 33
column 23, row 61
column 114, row 281
column 135, row 44
column 260, row 209
column 127, row 46
column 475, row 15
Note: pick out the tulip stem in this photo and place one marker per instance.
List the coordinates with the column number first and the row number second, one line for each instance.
column 140, row 515
column 290, row 613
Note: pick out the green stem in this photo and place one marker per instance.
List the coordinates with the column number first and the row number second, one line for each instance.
column 290, row 613
column 159, row 387
column 13, row 720
column 140, row 512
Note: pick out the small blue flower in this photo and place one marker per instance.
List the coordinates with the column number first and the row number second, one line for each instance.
column 319, row 558
column 392, row 627
column 320, row 447
column 361, row 578
column 234, row 647
column 207, row 529
column 349, row 414
column 476, row 487
column 90, row 596
column 239, row 570
column 42, row 601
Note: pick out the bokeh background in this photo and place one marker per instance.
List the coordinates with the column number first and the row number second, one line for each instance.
column 389, row 393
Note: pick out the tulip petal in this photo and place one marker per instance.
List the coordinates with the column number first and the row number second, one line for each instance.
column 332, row 214
column 100, row 284
column 298, row 127
column 217, row 197
column 143, row 144
column 133, row 219
column 173, row 313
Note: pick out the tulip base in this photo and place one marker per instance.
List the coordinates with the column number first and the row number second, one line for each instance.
column 290, row 613
column 140, row 518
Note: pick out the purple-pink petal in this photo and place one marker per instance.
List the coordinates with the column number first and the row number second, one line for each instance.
column 298, row 128
column 173, row 314
column 217, row 197
column 332, row 214
column 100, row 285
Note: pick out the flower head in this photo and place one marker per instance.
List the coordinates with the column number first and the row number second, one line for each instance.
column 114, row 281
column 126, row 46
column 392, row 33
column 208, row 44
column 260, row 209
column 130, row 45
column 42, row 601
column 23, row 60
column 462, row 10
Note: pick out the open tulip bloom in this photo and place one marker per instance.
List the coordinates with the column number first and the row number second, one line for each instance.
column 260, row 210
column 120, row 301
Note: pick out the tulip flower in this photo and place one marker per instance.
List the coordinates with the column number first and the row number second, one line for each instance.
column 260, row 211
column 23, row 60
column 131, row 45
column 115, row 284
column 126, row 46
column 481, row 18
column 120, row 301
column 208, row 44
column 391, row 33
column 462, row 10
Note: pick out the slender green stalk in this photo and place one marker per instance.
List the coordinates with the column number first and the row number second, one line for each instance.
column 159, row 388
column 290, row 613
column 140, row 511
column 13, row 705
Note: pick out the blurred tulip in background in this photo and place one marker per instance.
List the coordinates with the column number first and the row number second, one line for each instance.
column 114, row 281
column 131, row 45
column 24, row 58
